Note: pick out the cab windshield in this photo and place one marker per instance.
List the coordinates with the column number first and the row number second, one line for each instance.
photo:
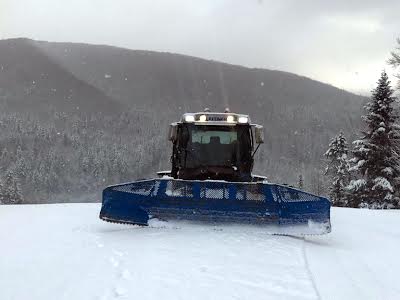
column 217, row 145
column 210, row 136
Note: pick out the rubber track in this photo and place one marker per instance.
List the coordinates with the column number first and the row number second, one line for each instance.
column 122, row 222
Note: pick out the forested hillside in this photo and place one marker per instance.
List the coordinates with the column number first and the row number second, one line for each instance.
column 75, row 117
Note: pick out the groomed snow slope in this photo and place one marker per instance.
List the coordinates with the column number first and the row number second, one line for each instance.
column 65, row 252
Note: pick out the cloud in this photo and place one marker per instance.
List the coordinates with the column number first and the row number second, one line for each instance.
column 358, row 24
column 320, row 39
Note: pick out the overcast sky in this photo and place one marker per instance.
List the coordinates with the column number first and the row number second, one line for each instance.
column 343, row 42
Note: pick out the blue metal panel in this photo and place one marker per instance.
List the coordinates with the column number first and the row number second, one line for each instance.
column 213, row 201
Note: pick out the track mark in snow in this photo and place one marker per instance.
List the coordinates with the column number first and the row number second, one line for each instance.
column 97, row 241
column 125, row 274
column 121, row 275
column 118, row 253
column 114, row 262
column 310, row 274
column 203, row 269
column 249, row 283
column 119, row 291
column 98, row 244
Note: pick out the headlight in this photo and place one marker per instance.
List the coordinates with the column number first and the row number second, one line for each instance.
column 189, row 118
column 230, row 119
column 243, row 120
column 203, row 118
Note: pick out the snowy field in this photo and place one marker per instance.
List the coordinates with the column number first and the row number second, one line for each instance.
column 65, row 252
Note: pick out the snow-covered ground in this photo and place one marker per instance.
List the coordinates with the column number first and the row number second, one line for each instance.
column 65, row 252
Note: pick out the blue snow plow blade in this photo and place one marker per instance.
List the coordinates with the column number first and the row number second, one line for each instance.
column 289, row 210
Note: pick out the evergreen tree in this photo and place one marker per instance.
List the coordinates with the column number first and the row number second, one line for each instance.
column 300, row 182
column 21, row 168
column 11, row 190
column 4, row 155
column 1, row 191
column 338, row 169
column 376, row 154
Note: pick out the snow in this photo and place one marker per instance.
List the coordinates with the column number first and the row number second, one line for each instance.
column 360, row 144
column 63, row 251
column 359, row 165
column 383, row 184
column 388, row 171
column 356, row 184
column 357, row 261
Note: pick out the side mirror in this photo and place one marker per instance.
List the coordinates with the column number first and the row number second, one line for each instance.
column 259, row 134
column 173, row 132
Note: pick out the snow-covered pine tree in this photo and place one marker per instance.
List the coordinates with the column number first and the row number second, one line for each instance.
column 337, row 169
column 376, row 156
column 12, row 193
column 300, row 182
column 18, row 196
column 4, row 155
column 1, row 191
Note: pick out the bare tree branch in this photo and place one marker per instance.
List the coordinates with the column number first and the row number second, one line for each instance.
column 394, row 61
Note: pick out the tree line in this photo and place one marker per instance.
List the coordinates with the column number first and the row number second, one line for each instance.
column 69, row 155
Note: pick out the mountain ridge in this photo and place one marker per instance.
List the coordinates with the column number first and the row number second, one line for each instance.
column 327, row 84
column 300, row 115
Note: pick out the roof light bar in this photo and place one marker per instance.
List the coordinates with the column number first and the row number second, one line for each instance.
column 189, row 118
column 230, row 119
column 243, row 119
column 203, row 118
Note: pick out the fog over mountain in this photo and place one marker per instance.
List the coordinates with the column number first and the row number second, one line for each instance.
column 122, row 101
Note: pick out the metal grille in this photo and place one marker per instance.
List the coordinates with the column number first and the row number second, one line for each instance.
column 179, row 189
column 250, row 192
column 293, row 195
column 221, row 192
column 144, row 188
column 274, row 194
column 216, row 190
